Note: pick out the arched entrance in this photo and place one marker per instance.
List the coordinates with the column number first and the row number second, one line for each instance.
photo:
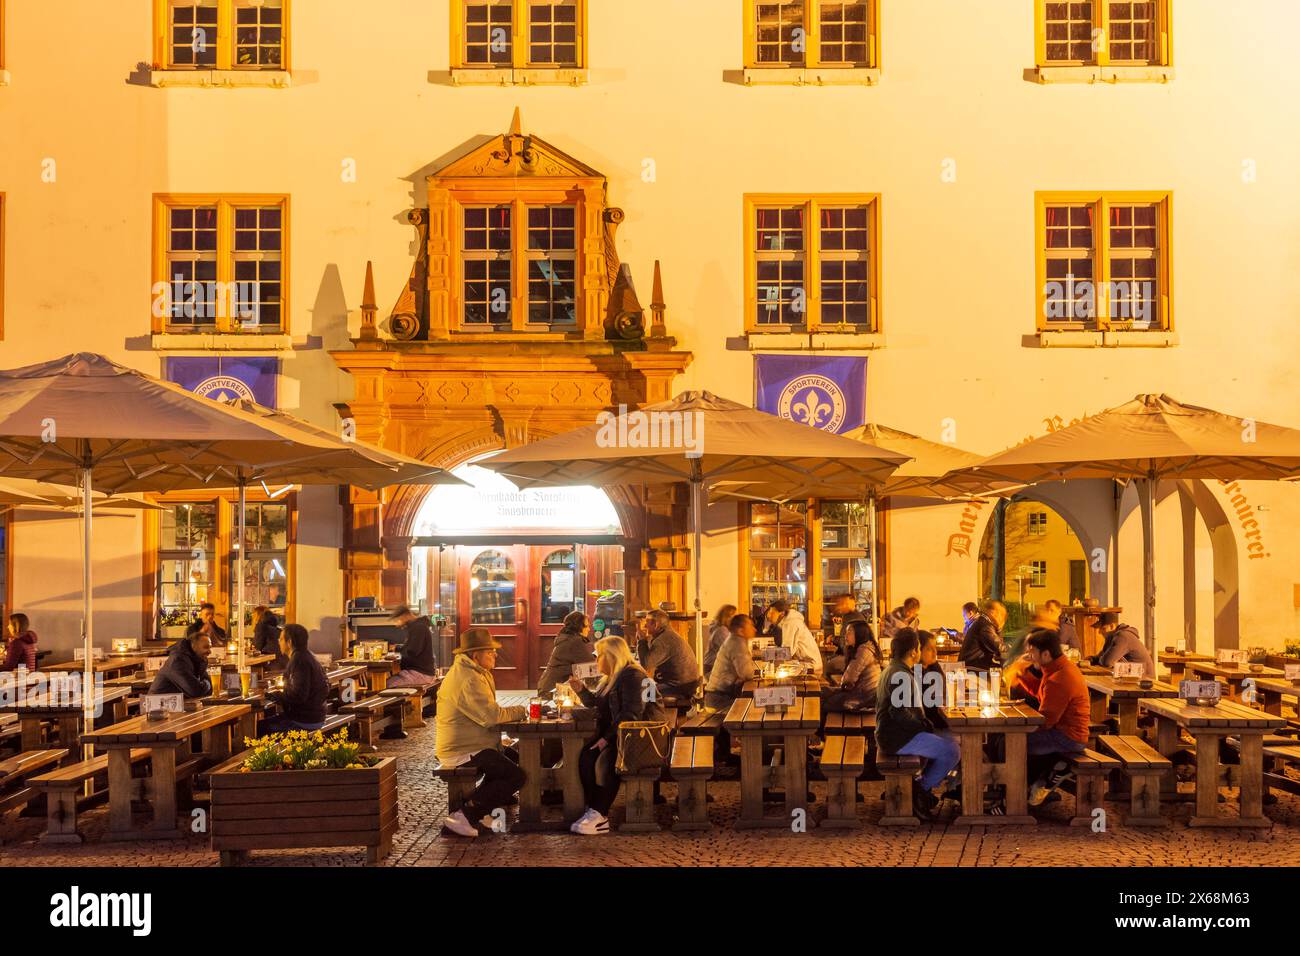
column 514, row 562
column 1040, row 556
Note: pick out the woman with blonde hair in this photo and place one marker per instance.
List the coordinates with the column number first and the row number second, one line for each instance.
column 618, row 697
column 718, row 631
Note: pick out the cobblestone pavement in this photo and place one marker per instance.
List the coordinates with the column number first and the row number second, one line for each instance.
column 423, row 799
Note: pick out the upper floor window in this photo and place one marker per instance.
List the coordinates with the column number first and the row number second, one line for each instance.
column 796, row 34
column 1103, row 33
column 1038, row 522
column 812, row 263
column 1103, row 261
column 220, row 264
column 1038, row 574
column 222, row 34
column 518, row 264
column 518, row 35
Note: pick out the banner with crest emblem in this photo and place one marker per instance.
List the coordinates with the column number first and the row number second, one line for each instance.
column 826, row 392
column 226, row 378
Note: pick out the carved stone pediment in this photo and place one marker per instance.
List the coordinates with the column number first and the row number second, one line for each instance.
column 516, row 154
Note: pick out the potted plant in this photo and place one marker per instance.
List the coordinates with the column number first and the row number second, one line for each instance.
column 1290, row 655
column 303, row 789
column 173, row 624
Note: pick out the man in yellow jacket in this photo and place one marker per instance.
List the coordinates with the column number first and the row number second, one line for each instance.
column 468, row 731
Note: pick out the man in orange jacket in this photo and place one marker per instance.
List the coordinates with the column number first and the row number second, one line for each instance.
column 1064, row 704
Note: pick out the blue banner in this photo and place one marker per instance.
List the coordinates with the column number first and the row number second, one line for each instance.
column 826, row 392
column 227, row 378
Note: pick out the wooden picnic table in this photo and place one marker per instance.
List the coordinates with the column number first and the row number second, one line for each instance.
column 1272, row 690
column 109, row 666
column 971, row 724
column 1177, row 662
column 259, row 707
column 803, row 686
column 379, row 671
column 749, row 724
column 65, row 710
column 1104, row 688
column 168, row 741
column 140, row 682
column 1208, row 726
column 531, row 734
column 1233, row 675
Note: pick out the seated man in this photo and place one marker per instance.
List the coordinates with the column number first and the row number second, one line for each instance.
column 1063, row 701
column 970, row 612
column 1064, row 624
column 186, row 669
column 418, row 664
column 1122, row 644
column 906, row 615
column 667, row 658
column 733, row 666
column 206, row 623
column 468, row 731
column 982, row 648
column 902, row 727
column 302, row 702
column 795, row 634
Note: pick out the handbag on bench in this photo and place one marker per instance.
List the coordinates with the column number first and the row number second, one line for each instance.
column 642, row 745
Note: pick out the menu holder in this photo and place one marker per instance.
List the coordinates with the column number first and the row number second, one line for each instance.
column 775, row 698
column 586, row 671
column 1202, row 693
column 154, row 664
column 1128, row 672
column 1233, row 657
column 158, row 706
column 775, row 653
column 1291, row 672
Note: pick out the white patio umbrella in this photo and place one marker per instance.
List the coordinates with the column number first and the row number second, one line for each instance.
column 1150, row 437
column 85, row 419
column 698, row 438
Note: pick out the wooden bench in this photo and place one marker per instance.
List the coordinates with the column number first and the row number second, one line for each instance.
column 899, row 772
column 1091, row 771
column 1144, row 766
column 844, row 757
column 63, row 792
column 11, row 731
column 638, row 794
column 847, row 723
column 1279, row 754
column 412, row 699
column 14, row 771
column 337, row 722
column 460, row 783
column 702, row 725
column 691, row 768
column 372, row 714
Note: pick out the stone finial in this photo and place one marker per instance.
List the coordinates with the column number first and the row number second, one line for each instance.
column 657, row 306
column 368, row 307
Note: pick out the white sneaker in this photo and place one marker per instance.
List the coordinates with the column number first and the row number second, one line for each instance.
column 590, row 823
column 488, row 823
column 459, row 824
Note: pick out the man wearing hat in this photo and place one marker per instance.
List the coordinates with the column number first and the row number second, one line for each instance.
column 418, row 665
column 468, row 731
column 1122, row 644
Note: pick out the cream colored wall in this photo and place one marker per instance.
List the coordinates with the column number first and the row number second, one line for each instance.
column 957, row 291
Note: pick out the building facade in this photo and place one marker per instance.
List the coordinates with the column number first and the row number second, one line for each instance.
column 1017, row 213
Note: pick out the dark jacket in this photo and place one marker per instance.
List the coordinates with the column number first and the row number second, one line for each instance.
column 221, row 636
column 184, row 672
column 933, row 673
column 21, row 653
column 417, row 652
column 305, row 690
column 1069, row 636
column 899, row 714
column 570, row 648
column 266, row 638
column 1124, row 644
column 624, row 701
column 981, row 648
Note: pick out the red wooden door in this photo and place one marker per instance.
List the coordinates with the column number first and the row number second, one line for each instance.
column 494, row 594
column 553, row 593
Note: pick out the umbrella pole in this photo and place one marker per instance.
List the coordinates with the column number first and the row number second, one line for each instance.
column 87, row 627
column 1149, row 562
column 697, row 487
column 871, row 551
column 239, row 582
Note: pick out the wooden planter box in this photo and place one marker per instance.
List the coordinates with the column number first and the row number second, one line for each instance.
column 291, row 809
column 1280, row 661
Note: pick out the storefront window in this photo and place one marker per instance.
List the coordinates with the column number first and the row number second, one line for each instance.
column 186, row 559
column 778, row 554
column 266, row 559
column 845, row 562
column 492, row 587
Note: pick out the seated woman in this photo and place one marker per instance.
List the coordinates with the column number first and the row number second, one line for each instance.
column 21, row 651
column 857, row 689
column 733, row 666
column 619, row 697
column 572, row 646
column 302, row 702
column 266, row 633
